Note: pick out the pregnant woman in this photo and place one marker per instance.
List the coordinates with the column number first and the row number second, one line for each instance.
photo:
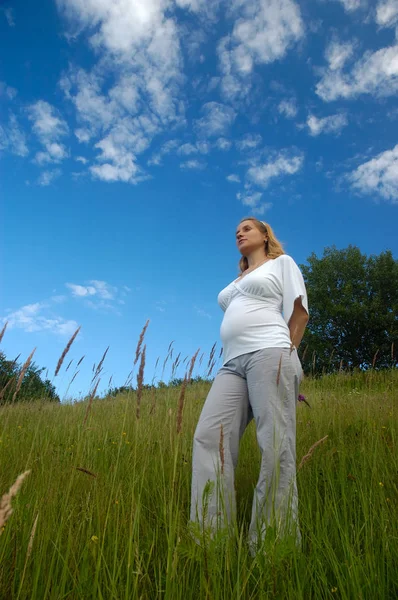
column 265, row 315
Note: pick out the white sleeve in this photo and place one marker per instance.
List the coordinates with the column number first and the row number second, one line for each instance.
column 293, row 287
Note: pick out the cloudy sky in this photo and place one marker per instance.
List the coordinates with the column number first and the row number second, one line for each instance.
column 135, row 134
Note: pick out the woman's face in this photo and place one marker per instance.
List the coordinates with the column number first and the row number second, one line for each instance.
column 249, row 238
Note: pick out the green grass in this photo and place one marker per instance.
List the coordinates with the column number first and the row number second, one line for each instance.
column 123, row 534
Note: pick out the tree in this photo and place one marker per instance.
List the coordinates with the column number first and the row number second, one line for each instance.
column 33, row 386
column 353, row 302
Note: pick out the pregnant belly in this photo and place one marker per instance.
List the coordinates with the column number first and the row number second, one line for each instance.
column 253, row 323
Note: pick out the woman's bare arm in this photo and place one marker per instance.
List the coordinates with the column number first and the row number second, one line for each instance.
column 298, row 322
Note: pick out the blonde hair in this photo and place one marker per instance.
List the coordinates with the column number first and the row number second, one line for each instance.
column 273, row 247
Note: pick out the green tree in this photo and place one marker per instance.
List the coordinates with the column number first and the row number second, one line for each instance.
column 353, row 302
column 33, row 386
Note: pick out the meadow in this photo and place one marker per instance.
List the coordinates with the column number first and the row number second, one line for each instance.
column 103, row 512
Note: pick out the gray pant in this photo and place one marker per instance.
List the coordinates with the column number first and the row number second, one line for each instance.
column 263, row 385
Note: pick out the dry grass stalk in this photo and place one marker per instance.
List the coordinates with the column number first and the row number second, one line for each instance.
column 74, row 377
column 278, row 375
column 90, row 401
column 22, row 373
column 5, row 502
column 110, row 381
column 213, row 348
column 32, row 537
column 392, row 351
column 80, row 360
column 221, row 352
column 140, row 381
column 69, row 365
column 181, row 398
column 3, row 331
column 65, row 352
column 101, row 362
column 209, row 372
column 341, row 366
column 153, row 401
column 374, row 358
column 140, row 340
column 304, row 353
column 5, row 388
column 313, row 361
column 175, row 365
column 311, row 450
column 86, row 471
column 128, row 380
column 180, row 409
column 168, row 355
column 192, row 365
column 14, row 362
column 221, row 448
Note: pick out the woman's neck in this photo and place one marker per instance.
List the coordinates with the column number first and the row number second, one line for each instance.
column 256, row 258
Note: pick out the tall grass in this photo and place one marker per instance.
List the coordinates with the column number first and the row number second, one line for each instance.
column 112, row 492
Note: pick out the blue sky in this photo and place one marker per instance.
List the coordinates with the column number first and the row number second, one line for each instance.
column 134, row 135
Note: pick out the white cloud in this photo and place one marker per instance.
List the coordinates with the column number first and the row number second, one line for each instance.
column 201, row 147
column 138, row 45
column 387, row 13
column 263, row 32
column 249, row 198
column 49, row 127
column 193, row 165
column 288, row 108
column 81, row 290
column 98, row 295
column 47, row 123
column 187, row 149
column 253, row 201
column 283, row 164
column 378, row 176
column 6, row 90
column 337, row 53
column 207, row 8
column 104, row 290
column 81, row 159
column 95, row 287
column 47, row 177
column 9, row 14
column 249, row 141
column 83, row 135
column 126, row 121
column 351, row 5
column 30, row 318
column 201, row 312
column 55, row 153
column 168, row 147
column 216, row 121
column 330, row 124
column 12, row 138
column 375, row 73
column 223, row 144
column 263, row 208
column 233, row 178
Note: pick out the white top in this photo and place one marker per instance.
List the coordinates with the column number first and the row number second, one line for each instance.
column 258, row 307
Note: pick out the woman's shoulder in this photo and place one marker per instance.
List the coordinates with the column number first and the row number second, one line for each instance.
column 284, row 259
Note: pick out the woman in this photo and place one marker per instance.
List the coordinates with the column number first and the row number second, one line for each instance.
column 266, row 312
